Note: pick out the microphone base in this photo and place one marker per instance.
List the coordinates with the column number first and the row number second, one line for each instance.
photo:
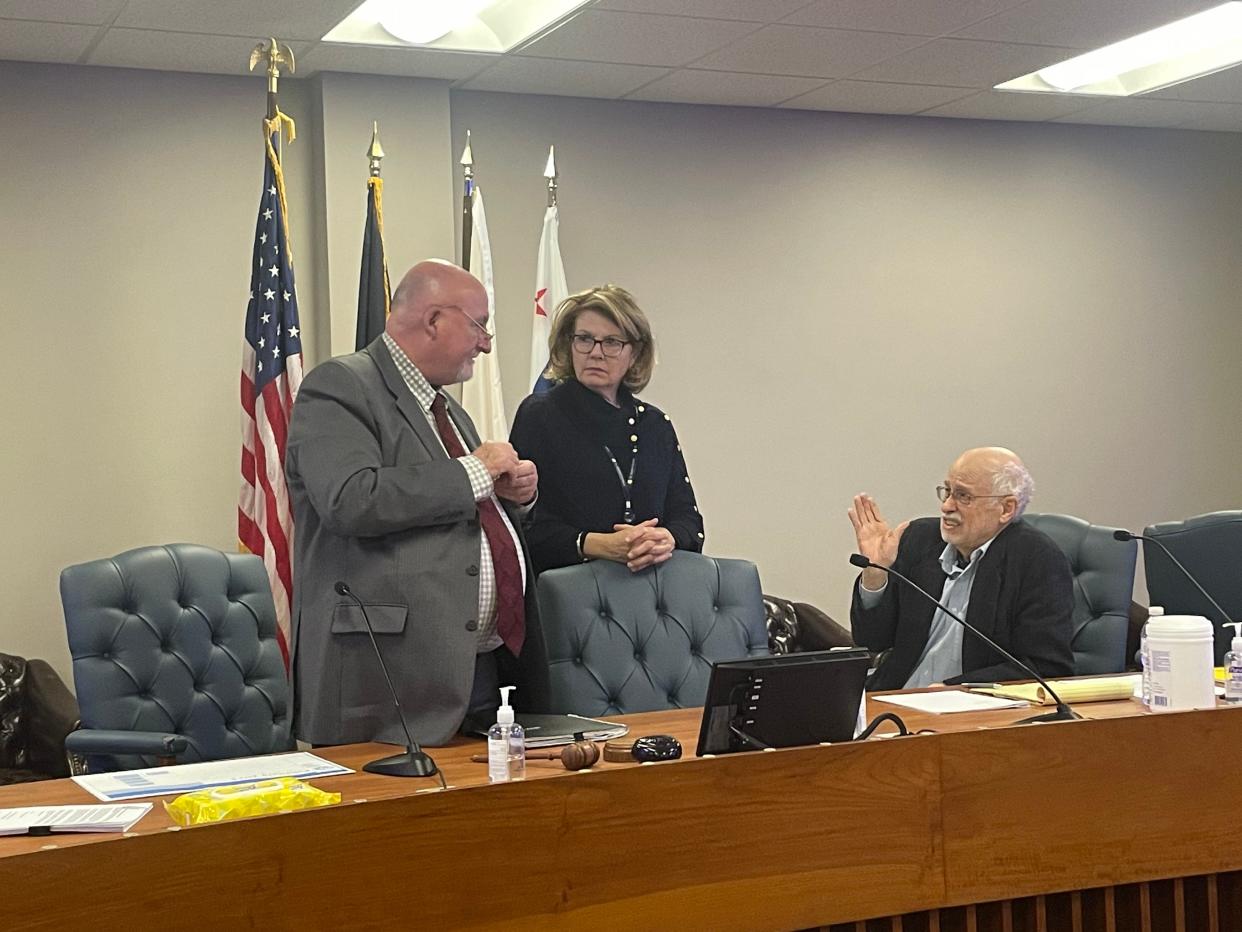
column 1062, row 714
column 409, row 763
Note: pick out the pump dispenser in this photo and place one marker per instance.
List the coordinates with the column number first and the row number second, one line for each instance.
column 506, row 744
column 1233, row 666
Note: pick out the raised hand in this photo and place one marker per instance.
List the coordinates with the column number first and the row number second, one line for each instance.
column 876, row 540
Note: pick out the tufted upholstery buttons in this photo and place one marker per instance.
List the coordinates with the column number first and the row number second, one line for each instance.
column 178, row 639
column 621, row 642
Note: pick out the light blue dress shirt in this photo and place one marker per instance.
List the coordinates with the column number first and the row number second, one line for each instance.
column 942, row 657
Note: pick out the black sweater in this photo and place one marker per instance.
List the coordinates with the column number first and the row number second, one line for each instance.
column 565, row 432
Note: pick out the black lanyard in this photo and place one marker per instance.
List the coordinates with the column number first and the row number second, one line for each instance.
column 625, row 483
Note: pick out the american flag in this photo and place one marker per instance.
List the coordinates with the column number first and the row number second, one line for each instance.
column 270, row 375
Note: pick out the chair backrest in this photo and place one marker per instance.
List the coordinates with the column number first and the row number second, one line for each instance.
column 1103, row 569
column 621, row 642
column 1209, row 547
column 179, row 639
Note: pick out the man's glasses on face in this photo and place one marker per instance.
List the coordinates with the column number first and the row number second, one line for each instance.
column 611, row 347
column 483, row 331
column 961, row 496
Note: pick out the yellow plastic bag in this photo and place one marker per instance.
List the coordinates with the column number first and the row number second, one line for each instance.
column 242, row 800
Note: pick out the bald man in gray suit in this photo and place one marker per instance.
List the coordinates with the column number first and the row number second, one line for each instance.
column 386, row 499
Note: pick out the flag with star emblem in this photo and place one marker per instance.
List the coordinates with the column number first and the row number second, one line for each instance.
column 550, row 291
column 374, row 295
column 270, row 376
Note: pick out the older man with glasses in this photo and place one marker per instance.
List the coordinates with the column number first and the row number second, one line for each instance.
column 1007, row 579
column 394, row 494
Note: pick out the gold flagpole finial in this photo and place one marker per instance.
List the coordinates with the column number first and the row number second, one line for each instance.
column 277, row 54
column 376, row 152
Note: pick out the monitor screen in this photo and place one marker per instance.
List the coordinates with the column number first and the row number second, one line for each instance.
column 788, row 700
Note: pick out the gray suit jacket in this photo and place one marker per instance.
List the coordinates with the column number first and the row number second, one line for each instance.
column 377, row 503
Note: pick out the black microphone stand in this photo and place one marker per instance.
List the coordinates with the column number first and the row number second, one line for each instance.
column 414, row 761
column 1063, row 713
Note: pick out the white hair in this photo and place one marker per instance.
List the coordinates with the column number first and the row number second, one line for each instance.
column 1014, row 479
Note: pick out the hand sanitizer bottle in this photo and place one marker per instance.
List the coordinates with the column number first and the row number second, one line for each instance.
column 506, row 744
column 1233, row 667
column 1155, row 611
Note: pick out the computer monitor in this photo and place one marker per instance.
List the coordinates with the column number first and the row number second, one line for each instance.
column 783, row 701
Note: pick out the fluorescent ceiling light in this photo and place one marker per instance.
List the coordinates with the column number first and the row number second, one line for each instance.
column 458, row 25
column 1188, row 48
column 427, row 20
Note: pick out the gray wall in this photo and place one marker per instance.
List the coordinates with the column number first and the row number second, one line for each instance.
column 842, row 302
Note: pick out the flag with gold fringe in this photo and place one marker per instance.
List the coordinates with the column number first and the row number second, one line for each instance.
column 270, row 375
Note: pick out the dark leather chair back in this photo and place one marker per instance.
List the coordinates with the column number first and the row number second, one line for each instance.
column 37, row 711
column 1103, row 569
column 621, row 642
column 179, row 639
column 1209, row 546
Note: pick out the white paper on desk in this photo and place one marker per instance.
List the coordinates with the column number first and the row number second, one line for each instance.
column 186, row 778
column 72, row 818
column 951, row 700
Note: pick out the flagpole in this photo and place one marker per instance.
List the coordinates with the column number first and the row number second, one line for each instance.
column 467, row 166
column 276, row 54
column 549, row 172
column 376, row 152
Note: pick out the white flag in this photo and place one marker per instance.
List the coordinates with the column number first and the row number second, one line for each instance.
column 481, row 395
column 550, row 291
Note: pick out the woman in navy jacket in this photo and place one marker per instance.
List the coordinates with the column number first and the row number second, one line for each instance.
column 612, row 479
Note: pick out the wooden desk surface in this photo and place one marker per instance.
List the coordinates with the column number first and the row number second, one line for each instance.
column 784, row 839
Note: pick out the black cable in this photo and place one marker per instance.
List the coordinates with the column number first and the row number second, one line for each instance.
column 879, row 720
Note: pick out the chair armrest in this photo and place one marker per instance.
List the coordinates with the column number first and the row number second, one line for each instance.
column 88, row 741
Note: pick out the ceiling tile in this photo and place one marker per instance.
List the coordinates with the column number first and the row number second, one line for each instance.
column 721, row 87
column 566, row 78
column 1223, row 87
column 915, row 19
column 94, row 12
column 411, row 62
column 179, row 51
column 22, row 40
column 279, row 18
column 964, row 63
column 1140, row 111
column 1080, row 24
column 874, row 97
column 803, row 50
column 636, row 38
column 1005, row 105
column 753, row 11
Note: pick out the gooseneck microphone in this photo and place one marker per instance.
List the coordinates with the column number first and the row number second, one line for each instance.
column 414, row 761
column 1062, row 714
column 1127, row 535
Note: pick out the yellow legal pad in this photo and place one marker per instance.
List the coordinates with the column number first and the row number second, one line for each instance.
column 1086, row 689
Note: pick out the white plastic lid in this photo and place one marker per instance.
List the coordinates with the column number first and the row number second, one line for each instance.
column 504, row 715
column 1154, row 610
column 1237, row 646
column 1179, row 627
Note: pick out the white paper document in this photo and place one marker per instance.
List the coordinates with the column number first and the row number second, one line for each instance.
column 42, row 820
column 186, row 778
column 951, row 701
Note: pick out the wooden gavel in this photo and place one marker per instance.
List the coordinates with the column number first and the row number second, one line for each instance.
column 577, row 756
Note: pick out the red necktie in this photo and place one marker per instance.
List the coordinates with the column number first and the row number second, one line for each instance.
column 510, row 601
